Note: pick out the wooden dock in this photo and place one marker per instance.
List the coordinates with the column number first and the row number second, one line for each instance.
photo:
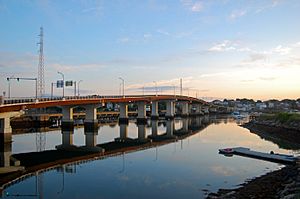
column 273, row 157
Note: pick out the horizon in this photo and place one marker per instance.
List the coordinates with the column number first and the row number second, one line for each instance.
column 220, row 49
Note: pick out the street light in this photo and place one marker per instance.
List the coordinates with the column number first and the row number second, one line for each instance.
column 123, row 82
column 63, row 76
column 23, row 78
column 78, row 87
column 155, row 87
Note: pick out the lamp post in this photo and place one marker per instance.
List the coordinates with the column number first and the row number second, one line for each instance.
column 78, row 87
column 123, row 83
column 155, row 87
column 63, row 76
column 23, row 78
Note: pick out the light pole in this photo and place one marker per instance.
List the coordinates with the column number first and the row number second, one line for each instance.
column 23, row 78
column 155, row 87
column 78, row 87
column 63, row 76
column 123, row 83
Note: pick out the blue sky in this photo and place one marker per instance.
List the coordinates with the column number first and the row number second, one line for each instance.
column 221, row 49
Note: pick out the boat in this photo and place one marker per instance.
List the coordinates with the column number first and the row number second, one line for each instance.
column 273, row 157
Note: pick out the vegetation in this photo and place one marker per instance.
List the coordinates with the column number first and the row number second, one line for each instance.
column 282, row 117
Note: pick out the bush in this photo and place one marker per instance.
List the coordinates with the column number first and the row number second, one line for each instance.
column 287, row 117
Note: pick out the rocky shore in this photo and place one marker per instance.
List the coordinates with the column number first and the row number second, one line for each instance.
column 283, row 183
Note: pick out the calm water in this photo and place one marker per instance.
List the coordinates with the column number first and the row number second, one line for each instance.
column 188, row 168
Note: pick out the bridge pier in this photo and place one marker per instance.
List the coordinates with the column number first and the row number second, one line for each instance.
column 123, row 133
column 91, row 141
column 67, row 140
column 170, row 129
column 123, row 118
column 184, row 109
column 142, row 133
column 185, row 125
column 154, row 128
column 67, row 118
column 170, row 109
column 154, row 110
column 198, row 109
column 142, row 117
column 91, row 122
column 5, row 127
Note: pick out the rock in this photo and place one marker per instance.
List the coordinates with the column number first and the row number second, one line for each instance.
column 290, row 196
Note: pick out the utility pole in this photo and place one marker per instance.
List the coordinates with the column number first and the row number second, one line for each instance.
column 41, row 67
column 180, row 86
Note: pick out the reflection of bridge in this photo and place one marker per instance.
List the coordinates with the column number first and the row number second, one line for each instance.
column 52, row 158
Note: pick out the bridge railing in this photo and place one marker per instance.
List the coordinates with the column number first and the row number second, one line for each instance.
column 44, row 99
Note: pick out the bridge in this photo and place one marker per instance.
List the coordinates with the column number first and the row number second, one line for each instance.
column 15, row 108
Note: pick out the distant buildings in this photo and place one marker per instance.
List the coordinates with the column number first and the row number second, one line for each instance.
column 249, row 105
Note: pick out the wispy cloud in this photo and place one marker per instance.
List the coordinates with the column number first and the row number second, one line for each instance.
column 194, row 6
column 281, row 50
column 224, row 46
column 124, row 40
column 237, row 13
column 269, row 78
column 163, row 32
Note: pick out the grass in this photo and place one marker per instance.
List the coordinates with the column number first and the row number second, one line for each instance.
column 283, row 118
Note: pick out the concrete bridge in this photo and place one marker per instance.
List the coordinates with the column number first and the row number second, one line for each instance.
column 189, row 106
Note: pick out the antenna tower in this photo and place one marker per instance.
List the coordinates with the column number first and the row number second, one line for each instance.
column 41, row 67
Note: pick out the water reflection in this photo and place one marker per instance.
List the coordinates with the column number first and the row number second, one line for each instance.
column 174, row 170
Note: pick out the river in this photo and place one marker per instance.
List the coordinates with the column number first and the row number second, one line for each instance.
column 188, row 168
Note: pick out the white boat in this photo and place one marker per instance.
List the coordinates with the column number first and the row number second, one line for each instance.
column 273, row 157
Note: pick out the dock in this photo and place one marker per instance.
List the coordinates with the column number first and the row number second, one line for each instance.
column 273, row 157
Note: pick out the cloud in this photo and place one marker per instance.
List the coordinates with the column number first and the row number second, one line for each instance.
column 281, row 50
column 194, row 6
column 224, row 46
column 163, row 32
column 237, row 13
column 268, row 78
column 124, row 40
column 257, row 57
column 147, row 36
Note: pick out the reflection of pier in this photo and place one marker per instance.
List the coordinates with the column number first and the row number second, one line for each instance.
column 72, row 153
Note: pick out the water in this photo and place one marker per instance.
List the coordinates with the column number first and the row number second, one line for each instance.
column 189, row 168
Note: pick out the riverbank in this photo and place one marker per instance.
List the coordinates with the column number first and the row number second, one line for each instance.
column 283, row 183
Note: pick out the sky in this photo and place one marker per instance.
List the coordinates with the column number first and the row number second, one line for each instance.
column 219, row 48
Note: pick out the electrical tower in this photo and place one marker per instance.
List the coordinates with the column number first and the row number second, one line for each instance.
column 41, row 67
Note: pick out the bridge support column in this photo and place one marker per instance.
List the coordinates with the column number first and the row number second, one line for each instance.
column 142, row 133
column 91, row 122
column 5, row 127
column 91, row 141
column 123, row 118
column 185, row 109
column 5, row 130
column 198, row 109
column 170, row 129
column 5, row 153
column 185, row 125
column 141, row 118
column 154, row 128
column 67, row 140
column 170, row 109
column 123, row 133
column 67, row 118
column 154, row 110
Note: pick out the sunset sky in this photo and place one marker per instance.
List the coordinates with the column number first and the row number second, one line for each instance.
column 220, row 48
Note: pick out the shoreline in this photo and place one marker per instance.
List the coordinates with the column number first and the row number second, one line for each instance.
column 282, row 183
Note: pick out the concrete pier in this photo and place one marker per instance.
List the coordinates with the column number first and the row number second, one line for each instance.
column 154, row 110
column 91, row 122
column 67, row 118
column 154, row 128
column 170, row 129
column 5, row 127
column 142, row 117
column 185, row 111
column 123, row 118
column 170, row 109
